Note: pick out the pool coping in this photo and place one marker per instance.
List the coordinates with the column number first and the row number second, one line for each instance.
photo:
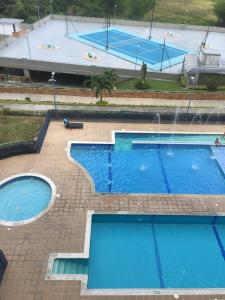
column 113, row 141
column 50, row 204
column 172, row 143
column 137, row 61
column 85, row 291
column 84, row 254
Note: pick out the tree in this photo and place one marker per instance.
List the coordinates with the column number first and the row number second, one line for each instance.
column 213, row 82
column 28, row 9
column 137, row 9
column 112, row 76
column 99, row 83
column 109, row 7
column 6, row 7
column 91, row 8
column 219, row 9
column 142, row 84
column 144, row 70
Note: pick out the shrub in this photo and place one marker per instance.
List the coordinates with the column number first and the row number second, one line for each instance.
column 219, row 9
column 4, row 111
column 183, row 81
column 142, row 85
column 26, row 79
column 144, row 70
column 102, row 103
column 212, row 83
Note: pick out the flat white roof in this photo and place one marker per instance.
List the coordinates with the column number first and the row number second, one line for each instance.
column 10, row 21
column 73, row 52
column 208, row 51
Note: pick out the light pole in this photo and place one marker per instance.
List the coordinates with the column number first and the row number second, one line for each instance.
column 4, row 34
column 189, row 104
column 115, row 10
column 190, row 97
column 52, row 82
column 137, row 52
column 163, row 52
column 28, row 46
column 193, row 81
column 186, row 15
column 38, row 12
column 107, row 33
column 151, row 22
column 50, row 2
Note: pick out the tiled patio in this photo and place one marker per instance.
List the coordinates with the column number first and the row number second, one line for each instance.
column 62, row 229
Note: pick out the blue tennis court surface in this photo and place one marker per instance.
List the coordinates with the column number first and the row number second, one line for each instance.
column 133, row 48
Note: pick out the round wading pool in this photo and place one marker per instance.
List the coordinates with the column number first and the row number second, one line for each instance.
column 24, row 198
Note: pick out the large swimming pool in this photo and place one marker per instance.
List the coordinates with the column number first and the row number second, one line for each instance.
column 154, row 163
column 152, row 252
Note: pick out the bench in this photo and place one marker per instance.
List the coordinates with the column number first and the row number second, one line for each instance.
column 3, row 265
column 73, row 125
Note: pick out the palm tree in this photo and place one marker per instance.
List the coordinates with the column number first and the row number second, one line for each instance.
column 99, row 83
column 113, row 77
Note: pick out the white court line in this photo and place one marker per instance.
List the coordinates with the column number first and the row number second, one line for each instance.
column 153, row 50
column 178, row 52
column 121, row 51
column 128, row 41
column 92, row 40
column 139, row 57
column 133, row 42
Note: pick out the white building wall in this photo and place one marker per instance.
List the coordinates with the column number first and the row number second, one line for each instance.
column 6, row 29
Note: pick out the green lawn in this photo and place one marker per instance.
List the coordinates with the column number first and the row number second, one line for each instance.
column 19, row 128
column 164, row 86
column 158, row 85
column 199, row 12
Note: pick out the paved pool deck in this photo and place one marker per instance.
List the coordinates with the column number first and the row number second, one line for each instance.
column 62, row 228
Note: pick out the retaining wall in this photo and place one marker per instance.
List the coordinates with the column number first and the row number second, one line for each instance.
column 47, row 66
column 26, row 147
column 104, row 114
column 140, row 23
column 82, row 92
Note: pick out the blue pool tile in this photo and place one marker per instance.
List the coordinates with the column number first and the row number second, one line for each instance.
column 127, row 167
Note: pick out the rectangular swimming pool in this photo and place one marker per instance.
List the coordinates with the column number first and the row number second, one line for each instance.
column 133, row 48
column 154, row 252
column 141, row 163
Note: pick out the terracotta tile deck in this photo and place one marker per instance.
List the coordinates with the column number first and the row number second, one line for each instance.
column 62, row 228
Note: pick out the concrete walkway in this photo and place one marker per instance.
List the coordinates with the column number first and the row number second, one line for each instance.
column 196, row 104
column 151, row 109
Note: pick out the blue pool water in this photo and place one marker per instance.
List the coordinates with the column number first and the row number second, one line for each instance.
column 23, row 198
column 141, row 251
column 133, row 48
column 157, row 252
column 127, row 167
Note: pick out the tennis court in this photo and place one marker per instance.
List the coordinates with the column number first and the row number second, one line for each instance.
column 135, row 49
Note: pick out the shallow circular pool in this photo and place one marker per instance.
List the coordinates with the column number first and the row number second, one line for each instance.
column 24, row 198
